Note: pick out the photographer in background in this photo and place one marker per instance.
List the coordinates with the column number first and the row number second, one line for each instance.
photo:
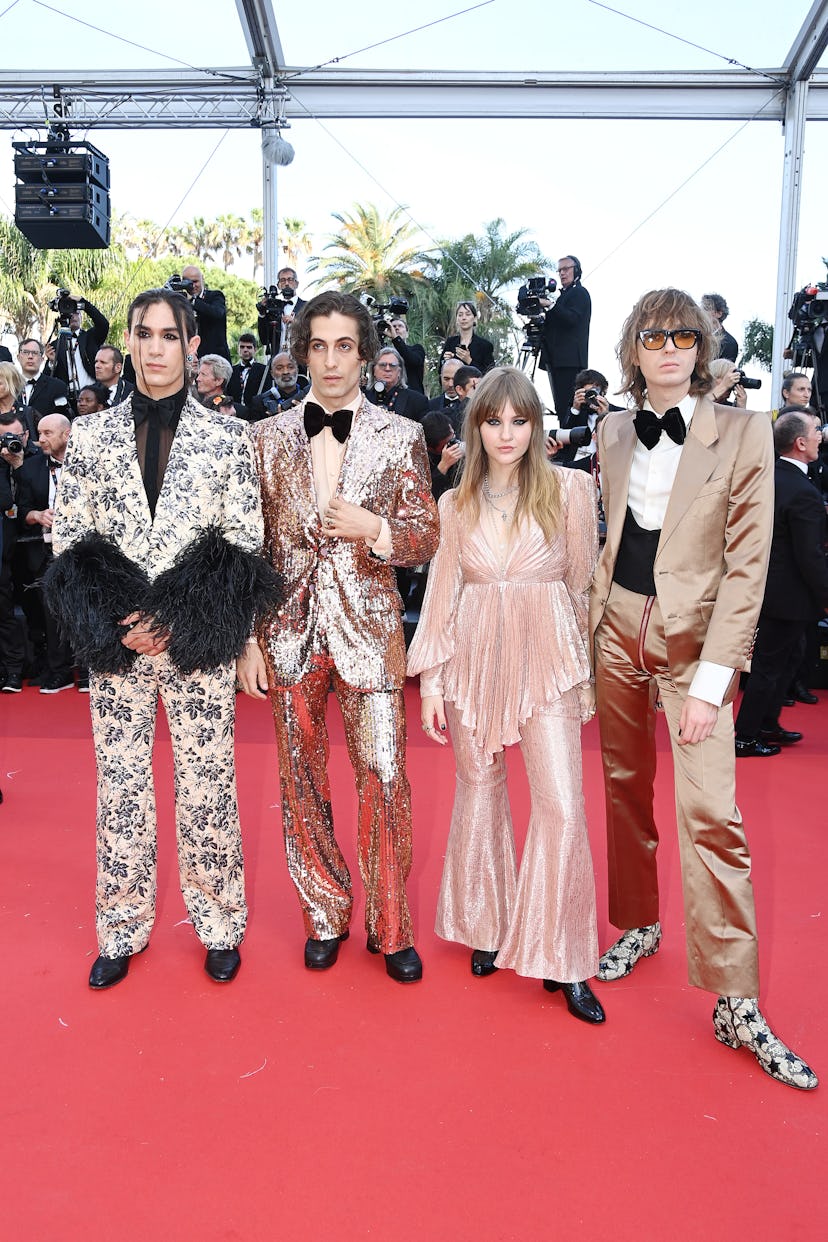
column 248, row 375
column 413, row 356
column 72, row 358
column 278, row 307
column 589, row 405
column 718, row 310
column 388, row 388
column 285, row 392
column 565, row 334
column 40, row 392
column 210, row 309
column 14, row 451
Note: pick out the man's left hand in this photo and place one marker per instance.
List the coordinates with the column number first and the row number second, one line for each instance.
column 697, row 722
column 347, row 521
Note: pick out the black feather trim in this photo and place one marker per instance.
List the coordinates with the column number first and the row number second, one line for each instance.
column 89, row 589
column 210, row 599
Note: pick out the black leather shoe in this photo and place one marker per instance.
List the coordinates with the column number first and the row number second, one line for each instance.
column 404, row 966
column 483, row 962
column 802, row 694
column 222, row 964
column 780, row 737
column 788, row 702
column 755, row 750
column 321, row 954
column 580, row 1000
column 107, row 971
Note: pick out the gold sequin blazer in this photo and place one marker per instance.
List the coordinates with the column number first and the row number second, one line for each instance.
column 337, row 596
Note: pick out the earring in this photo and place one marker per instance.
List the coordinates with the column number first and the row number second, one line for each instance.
column 191, row 357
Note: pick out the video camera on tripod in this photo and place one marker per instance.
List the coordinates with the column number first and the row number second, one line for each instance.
column 529, row 308
column 808, row 311
column 272, row 303
column 65, row 306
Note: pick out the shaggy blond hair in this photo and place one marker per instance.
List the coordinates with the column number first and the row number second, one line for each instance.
column 665, row 308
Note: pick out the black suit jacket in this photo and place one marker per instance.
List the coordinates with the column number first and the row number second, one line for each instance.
column 565, row 335
column 270, row 330
column 122, row 390
column 33, row 493
column 405, row 402
column 246, row 391
column 90, row 341
column 49, row 396
column 211, row 313
column 728, row 345
column 797, row 584
column 414, row 358
column 481, row 350
column 270, row 402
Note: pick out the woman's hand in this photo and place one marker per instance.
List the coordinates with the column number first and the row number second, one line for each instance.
column 431, row 711
column 142, row 636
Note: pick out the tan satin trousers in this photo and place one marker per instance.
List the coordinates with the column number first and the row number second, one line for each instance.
column 720, row 920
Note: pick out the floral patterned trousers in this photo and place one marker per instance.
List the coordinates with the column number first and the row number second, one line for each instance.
column 201, row 712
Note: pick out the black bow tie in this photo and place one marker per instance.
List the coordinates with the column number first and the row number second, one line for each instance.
column 316, row 418
column 144, row 408
column 648, row 427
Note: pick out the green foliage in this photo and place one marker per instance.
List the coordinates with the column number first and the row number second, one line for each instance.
column 371, row 254
column 473, row 269
column 119, row 290
column 758, row 346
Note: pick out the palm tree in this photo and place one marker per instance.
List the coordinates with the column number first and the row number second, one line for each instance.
column 201, row 237
column 29, row 277
column 478, row 269
column 371, row 253
column 294, row 240
column 254, row 241
column 231, row 232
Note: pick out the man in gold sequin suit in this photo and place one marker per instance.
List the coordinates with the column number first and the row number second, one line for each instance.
column 346, row 496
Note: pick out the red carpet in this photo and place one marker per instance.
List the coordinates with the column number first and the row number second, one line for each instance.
column 344, row 1106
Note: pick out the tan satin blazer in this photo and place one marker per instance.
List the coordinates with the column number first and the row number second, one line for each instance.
column 712, row 555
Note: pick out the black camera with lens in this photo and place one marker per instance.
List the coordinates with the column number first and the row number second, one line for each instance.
column 747, row 382
column 11, row 442
column 590, row 404
column 65, row 306
column 179, row 284
column 577, row 437
column 383, row 313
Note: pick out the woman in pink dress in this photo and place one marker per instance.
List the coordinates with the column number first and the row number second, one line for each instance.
column 501, row 650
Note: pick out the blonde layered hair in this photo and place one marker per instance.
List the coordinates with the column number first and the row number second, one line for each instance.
column 665, row 308
column 539, row 494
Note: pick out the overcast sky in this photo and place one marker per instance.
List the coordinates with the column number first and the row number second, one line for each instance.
column 579, row 186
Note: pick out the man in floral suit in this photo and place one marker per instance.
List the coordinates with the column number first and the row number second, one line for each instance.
column 157, row 583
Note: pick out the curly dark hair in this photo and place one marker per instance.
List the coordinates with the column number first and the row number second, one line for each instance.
column 332, row 302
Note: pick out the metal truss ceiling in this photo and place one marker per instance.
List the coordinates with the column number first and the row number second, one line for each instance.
column 241, row 98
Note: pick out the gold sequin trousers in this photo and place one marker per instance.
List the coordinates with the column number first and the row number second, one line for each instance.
column 375, row 735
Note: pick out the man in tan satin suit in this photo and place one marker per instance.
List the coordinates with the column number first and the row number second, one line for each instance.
column 688, row 496
column 346, row 492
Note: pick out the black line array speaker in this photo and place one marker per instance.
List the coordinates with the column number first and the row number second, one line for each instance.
column 61, row 198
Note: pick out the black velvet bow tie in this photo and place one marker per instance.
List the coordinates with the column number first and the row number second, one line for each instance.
column 648, row 427
column 144, row 408
column 316, row 418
